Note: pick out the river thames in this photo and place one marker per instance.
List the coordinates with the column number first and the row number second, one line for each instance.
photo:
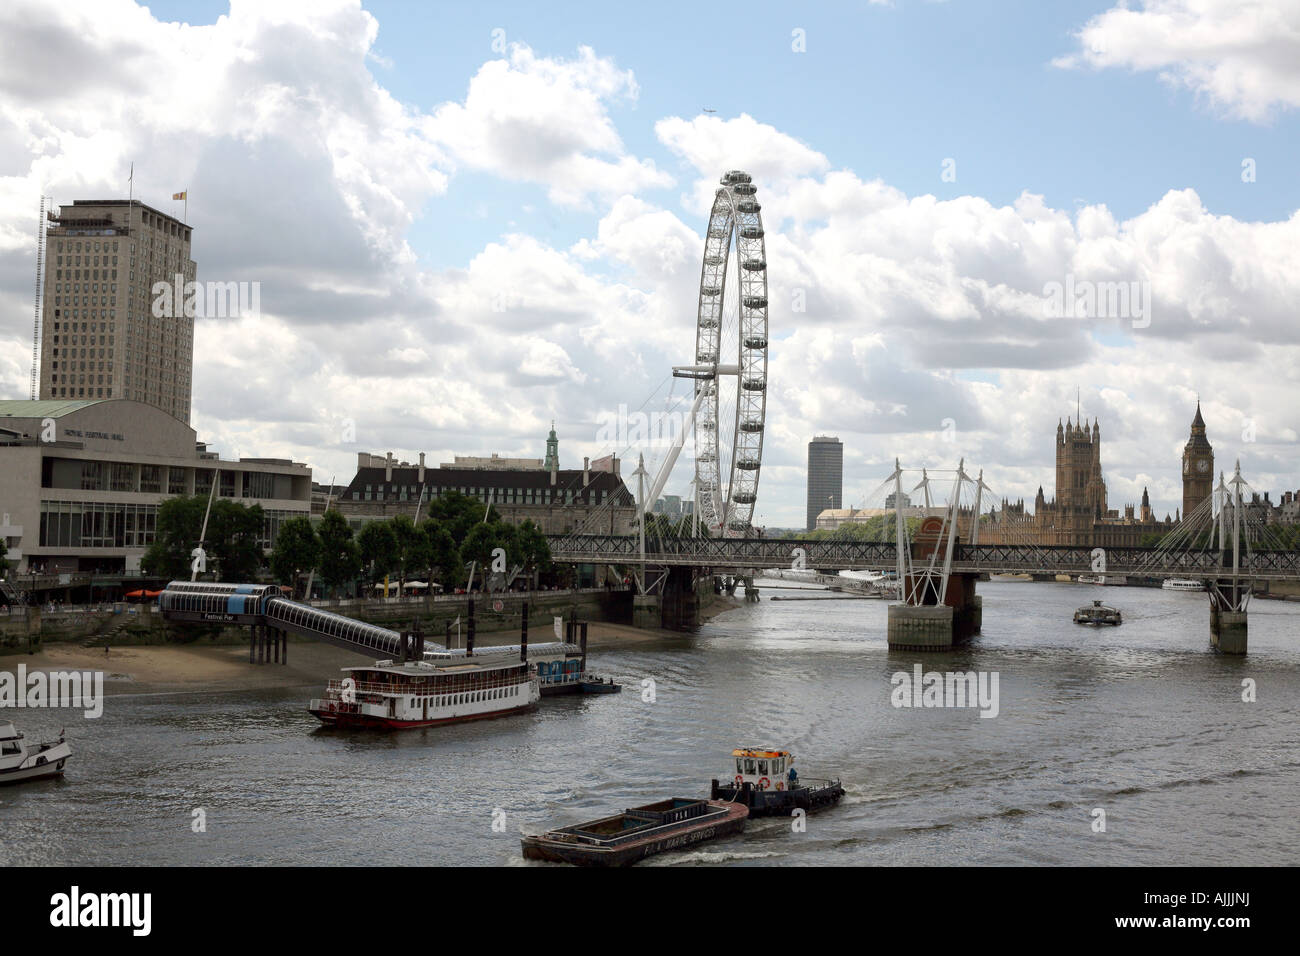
column 1142, row 721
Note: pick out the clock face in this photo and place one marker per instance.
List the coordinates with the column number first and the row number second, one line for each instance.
column 1202, row 466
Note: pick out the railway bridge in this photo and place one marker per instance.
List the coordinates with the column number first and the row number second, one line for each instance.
column 938, row 571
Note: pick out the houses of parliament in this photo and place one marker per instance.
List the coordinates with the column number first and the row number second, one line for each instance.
column 1079, row 514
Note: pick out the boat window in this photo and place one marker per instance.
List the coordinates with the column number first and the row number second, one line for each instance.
column 749, row 765
column 762, row 767
column 740, row 765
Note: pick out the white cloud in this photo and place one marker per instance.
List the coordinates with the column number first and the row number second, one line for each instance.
column 547, row 121
column 1241, row 55
column 306, row 174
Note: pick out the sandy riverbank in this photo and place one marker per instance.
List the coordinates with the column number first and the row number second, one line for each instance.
column 213, row 668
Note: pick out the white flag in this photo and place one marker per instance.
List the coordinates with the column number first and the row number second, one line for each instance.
column 559, row 635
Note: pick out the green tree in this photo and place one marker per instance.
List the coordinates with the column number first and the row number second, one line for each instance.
column 378, row 546
column 444, row 556
column 232, row 544
column 340, row 559
column 297, row 551
column 533, row 549
column 482, row 541
column 459, row 514
column 176, row 534
column 235, row 531
column 413, row 552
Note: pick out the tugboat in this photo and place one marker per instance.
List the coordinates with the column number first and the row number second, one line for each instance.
column 1098, row 613
column 18, row 762
column 637, row 833
column 767, row 783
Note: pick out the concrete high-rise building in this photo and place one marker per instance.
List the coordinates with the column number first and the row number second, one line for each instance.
column 825, row 476
column 103, row 334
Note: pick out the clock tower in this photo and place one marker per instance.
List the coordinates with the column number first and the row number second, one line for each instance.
column 1198, row 466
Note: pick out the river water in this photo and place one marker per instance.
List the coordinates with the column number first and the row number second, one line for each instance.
column 1142, row 721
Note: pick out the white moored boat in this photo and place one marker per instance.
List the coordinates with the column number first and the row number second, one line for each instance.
column 441, row 690
column 1183, row 584
column 19, row 762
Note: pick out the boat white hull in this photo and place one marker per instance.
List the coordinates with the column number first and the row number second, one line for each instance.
column 48, row 763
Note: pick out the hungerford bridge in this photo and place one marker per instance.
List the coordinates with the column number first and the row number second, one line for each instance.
column 1212, row 545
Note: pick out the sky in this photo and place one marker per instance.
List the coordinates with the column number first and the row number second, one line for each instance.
column 469, row 220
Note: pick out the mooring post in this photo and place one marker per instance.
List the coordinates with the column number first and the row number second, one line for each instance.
column 469, row 631
column 417, row 635
column 523, row 634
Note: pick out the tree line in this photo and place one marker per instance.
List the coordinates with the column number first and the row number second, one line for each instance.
column 457, row 534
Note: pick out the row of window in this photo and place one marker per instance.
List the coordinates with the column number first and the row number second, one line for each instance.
column 109, row 524
column 501, row 496
column 455, row 700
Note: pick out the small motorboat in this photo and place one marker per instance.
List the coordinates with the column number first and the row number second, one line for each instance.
column 1097, row 613
column 18, row 762
column 767, row 783
column 634, row 834
column 590, row 684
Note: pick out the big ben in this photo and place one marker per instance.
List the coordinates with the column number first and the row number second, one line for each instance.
column 1198, row 466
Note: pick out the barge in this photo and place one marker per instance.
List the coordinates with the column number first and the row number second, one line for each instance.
column 639, row 832
column 767, row 783
column 1098, row 613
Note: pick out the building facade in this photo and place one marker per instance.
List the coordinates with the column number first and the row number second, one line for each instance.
column 557, row 500
column 100, row 336
column 1079, row 514
column 825, row 477
column 81, row 482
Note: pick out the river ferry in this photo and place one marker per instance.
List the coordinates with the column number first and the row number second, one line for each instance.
column 441, row 690
column 1182, row 584
column 634, row 834
column 767, row 783
column 19, row 762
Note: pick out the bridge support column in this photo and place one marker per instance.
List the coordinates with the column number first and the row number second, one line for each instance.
column 1228, row 617
column 646, row 611
column 680, row 604
column 925, row 628
column 1228, row 631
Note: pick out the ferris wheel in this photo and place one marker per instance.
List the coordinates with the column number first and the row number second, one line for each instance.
column 730, row 369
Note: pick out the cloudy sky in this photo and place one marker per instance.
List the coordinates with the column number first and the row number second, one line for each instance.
column 468, row 220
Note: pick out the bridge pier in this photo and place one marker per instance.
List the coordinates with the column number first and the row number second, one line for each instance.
column 934, row 626
column 1228, row 625
column 924, row 628
column 646, row 611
